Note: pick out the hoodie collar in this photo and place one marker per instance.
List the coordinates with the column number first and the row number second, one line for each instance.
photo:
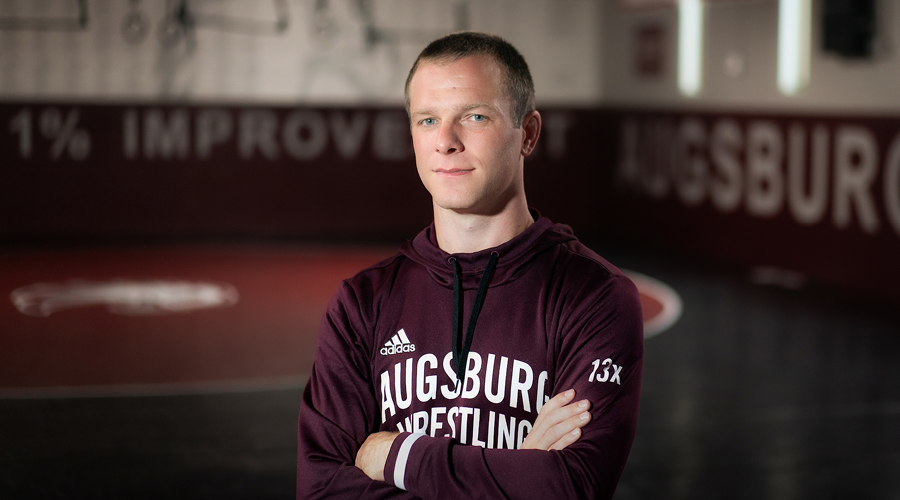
column 514, row 256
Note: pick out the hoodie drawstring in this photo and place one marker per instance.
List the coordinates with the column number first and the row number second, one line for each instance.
column 461, row 358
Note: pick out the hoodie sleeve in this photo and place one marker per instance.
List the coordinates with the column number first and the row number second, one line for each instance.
column 600, row 355
column 338, row 411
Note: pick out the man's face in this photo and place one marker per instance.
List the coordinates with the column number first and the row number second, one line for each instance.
column 468, row 152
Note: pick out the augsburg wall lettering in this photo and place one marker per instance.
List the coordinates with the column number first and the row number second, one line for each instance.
column 816, row 172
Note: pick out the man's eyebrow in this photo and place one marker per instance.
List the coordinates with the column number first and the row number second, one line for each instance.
column 462, row 107
column 475, row 105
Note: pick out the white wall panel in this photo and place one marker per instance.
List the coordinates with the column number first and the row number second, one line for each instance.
column 324, row 55
column 744, row 33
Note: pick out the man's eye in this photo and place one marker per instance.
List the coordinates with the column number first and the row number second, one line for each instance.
column 478, row 118
column 428, row 121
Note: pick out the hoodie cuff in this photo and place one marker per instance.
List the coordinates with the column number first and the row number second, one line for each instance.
column 398, row 458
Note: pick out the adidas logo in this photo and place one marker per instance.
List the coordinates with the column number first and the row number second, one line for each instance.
column 398, row 343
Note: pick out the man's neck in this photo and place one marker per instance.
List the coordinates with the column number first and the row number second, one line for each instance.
column 469, row 233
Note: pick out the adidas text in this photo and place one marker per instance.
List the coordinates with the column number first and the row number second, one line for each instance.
column 398, row 343
column 396, row 349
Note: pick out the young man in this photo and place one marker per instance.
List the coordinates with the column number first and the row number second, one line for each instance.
column 434, row 369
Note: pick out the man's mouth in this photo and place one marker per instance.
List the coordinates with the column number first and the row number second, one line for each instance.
column 452, row 172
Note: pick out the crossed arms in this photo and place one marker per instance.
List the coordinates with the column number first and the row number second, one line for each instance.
column 558, row 425
column 343, row 452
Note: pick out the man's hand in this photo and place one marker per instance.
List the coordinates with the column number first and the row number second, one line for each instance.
column 559, row 423
column 374, row 452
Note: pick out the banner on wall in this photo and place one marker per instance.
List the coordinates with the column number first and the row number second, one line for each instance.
column 817, row 195
column 83, row 171
column 169, row 170
column 814, row 194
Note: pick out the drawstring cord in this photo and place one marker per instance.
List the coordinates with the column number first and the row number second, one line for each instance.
column 461, row 358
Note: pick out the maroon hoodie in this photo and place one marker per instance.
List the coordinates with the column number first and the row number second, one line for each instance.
column 554, row 316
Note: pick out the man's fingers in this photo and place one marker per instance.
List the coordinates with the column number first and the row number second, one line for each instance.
column 558, row 415
column 564, row 432
column 558, row 401
column 570, row 430
column 558, row 418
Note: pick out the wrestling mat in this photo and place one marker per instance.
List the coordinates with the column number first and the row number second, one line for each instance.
column 184, row 320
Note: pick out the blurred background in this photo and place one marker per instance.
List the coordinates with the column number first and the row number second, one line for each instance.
column 183, row 184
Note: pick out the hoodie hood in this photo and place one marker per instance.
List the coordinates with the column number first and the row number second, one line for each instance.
column 514, row 256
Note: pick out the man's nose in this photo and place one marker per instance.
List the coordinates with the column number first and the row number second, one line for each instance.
column 448, row 140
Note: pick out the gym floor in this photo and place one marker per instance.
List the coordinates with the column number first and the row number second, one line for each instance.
column 757, row 391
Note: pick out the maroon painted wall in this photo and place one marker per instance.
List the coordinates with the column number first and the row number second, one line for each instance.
column 815, row 194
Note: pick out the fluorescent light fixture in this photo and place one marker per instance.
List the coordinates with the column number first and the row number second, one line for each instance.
column 690, row 46
column 794, row 17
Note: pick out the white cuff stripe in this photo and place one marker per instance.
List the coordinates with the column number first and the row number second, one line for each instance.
column 402, row 458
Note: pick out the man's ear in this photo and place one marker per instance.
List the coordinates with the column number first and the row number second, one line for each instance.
column 532, row 126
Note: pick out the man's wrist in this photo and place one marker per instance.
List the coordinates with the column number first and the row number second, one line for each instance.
column 398, row 459
column 390, row 464
column 373, row 454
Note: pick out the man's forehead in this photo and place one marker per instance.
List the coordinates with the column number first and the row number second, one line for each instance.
column 468, row 66
column 469, row 72
column 480, row 79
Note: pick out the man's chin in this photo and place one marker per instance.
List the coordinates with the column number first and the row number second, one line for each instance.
column 459, row 207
